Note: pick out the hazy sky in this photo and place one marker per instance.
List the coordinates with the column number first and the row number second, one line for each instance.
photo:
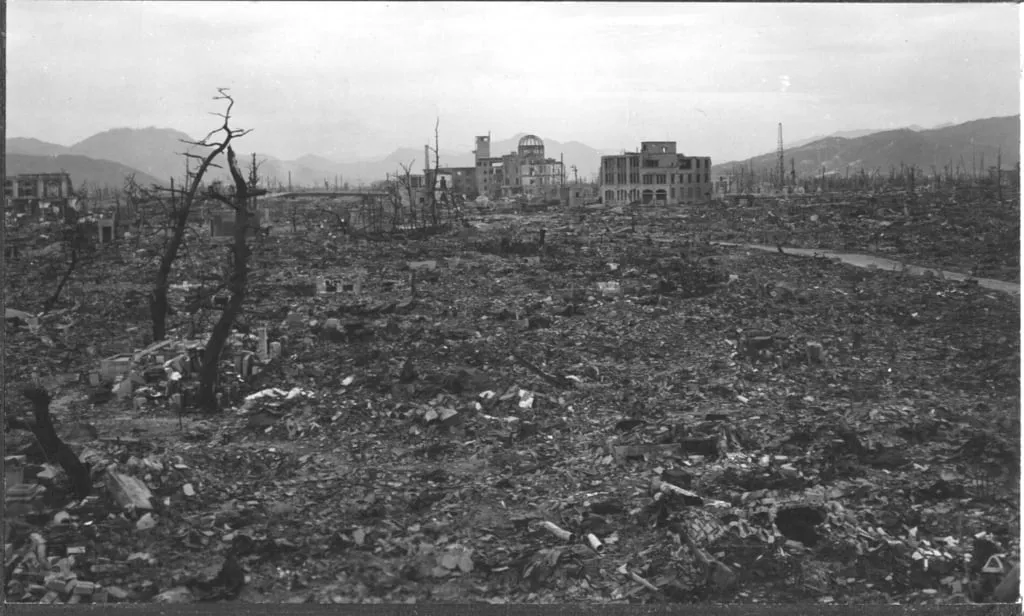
column 358, row 80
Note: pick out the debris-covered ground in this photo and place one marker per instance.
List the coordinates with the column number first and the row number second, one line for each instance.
column 968, row 230
column 613, row 413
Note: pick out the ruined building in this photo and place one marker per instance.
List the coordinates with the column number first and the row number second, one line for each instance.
column 655, row 175
column 457, row 180
column 29, row 193
column 525, row 172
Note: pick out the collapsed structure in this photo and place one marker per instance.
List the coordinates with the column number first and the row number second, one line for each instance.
column 31, row 193
column 525, row 172
column 656, row 174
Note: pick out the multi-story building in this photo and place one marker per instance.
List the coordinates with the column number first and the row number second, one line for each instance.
column 525, row 172
column 457, row 180
column 655, row 175
column 28, row 192
column 489, row 171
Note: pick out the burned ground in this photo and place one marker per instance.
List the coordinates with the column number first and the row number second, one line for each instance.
column 620, row 412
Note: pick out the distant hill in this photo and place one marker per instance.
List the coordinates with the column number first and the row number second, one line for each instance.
column 155, row 151
column 845, row 134
column 887, row 149
column 853, row 134
column 33, row 147
column 82, row 169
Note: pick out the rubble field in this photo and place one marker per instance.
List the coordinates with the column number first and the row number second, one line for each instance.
column 978, row 236
column 594, row 406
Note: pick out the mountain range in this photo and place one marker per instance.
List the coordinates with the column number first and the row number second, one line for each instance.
column 154, row 154
column 968, row 145
column 853, row 134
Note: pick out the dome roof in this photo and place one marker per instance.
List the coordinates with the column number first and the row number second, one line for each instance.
column 531, row 141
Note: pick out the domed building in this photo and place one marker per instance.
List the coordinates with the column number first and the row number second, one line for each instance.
column 531, row 147
column 525, row 172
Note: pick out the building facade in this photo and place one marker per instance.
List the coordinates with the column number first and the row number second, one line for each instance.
column 29, row 193
column 656, row 174
column 490, row 172
column 525, row 172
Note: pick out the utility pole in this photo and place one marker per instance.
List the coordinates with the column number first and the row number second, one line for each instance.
column 999, row 173
column 782, row 161
column 575, row 175
column 289, row 180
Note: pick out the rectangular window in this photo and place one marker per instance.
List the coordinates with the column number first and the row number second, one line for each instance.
column 647, row 178
column 660, row 178
column 621, row 178
column 634, row 161
column 706, row 179
column 649, row 163
column 685, row 163
column 689, row 192
column 689, row 178
column 634, row 178
column 672, row 192
column 609, row 178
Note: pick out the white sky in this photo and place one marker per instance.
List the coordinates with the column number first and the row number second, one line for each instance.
column 358, row 80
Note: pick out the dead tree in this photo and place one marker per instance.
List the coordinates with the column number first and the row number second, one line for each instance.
column 158, row 298
column 75, row 242
column 241, row 200
column 53, row 448
column 432, row 195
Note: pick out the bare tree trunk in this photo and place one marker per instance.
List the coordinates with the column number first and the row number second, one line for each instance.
column 207, row 395
column 63, row 281
column 53, row 447
column 158, row 297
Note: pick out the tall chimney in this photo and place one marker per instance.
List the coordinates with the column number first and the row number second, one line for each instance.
column 426, row 158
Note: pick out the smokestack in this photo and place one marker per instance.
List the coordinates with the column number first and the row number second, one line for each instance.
column 426, row 158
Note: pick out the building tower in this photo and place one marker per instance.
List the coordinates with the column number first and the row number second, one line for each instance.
column 483, row 147
column 782, row 161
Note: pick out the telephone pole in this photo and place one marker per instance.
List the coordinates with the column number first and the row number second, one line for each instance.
column 782, row 161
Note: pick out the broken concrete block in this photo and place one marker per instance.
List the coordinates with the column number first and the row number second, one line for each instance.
column 815, row 353
column 14, row 470
column 262, row 348
column 275, row 350
column 128, row 491
column 179, row 594
column 84, row 588
column 117, row 593
column 422, row 265
column 146, row 522
column 56, row 585
column 123, row 388
column 115, row 365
